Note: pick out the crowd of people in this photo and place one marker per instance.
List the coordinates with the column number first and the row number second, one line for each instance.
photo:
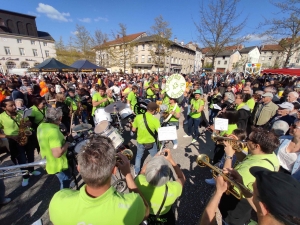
column 263, row 115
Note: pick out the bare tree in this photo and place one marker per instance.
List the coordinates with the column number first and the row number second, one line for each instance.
column 83, row 41
column 220, row 25
column 67, row 53
column 99, row 41
column 285, row 28
column 161, row 33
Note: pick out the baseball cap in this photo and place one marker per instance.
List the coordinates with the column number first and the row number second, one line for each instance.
column 279, row 192
column 197, row 92
column 286, row 105
column 268, row 94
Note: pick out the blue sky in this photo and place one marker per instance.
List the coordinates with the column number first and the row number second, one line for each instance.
column 59, row 17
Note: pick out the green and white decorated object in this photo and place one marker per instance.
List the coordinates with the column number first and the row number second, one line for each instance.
column 175, row 86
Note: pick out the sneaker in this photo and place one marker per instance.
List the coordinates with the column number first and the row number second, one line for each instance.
column 211, row 181
column 25, row 182
column 175, row 146
column 185, row 136
column 193, row 141
column 36, row 173
column 185, row 122
column 5, row 201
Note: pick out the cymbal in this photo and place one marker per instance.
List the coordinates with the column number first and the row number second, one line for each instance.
column 82, row 127
column 115, row 107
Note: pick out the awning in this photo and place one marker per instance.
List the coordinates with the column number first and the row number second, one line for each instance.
column 292, row 72
column 142, row 65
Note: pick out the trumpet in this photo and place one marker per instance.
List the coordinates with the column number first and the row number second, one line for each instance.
column 235, row 144
column 203, row 160
column 127, row 152
column 6, row 173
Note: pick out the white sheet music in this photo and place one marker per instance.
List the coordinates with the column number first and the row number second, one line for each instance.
column 221, row 124
column 167, row 133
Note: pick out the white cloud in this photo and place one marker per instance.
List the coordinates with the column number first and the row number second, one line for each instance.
column 256, row 37
column 85, row 20
column 53, row 13
column 100, row 18
column 74, row 32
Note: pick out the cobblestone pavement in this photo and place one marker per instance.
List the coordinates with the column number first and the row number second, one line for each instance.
column 31, row 203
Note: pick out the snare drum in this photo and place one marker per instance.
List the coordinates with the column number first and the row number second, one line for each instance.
column 125, row 113
column 79, row 146
column 101, row 115
column 104, row 128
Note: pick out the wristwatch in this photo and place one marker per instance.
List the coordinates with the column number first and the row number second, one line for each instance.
column 228, row 157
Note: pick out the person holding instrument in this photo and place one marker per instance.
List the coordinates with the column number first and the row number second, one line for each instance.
column 97, row 202
column 21, row 153
column 275, row 197
column 154, row 184
column 261, row 145
column 38, row 112
column 54, row 147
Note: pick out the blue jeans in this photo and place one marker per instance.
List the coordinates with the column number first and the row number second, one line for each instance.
column 194, row 122
column 139, row 155
column 64, row 178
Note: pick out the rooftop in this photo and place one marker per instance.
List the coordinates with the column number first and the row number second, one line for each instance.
column 247, row 49
column 16, row 13
column 271, row 48
column 126, row 39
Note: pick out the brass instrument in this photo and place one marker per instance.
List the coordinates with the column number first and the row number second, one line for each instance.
column 203, row 160
column 24, row 132
column 127, row 152
column 235, row 144
column 6, row 173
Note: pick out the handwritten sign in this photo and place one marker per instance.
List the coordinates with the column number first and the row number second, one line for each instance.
column 221, row 124
column 175, row 86
column 167, row 133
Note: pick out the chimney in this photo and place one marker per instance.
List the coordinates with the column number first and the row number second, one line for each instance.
column 118, row 36
column 182, row 43
column 175, row 39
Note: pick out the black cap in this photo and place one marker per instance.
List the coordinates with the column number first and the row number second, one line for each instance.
column 280, row 192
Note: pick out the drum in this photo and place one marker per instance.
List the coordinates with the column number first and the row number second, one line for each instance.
column 79, row 146
column 101, row 115
column 104, row 128
column 141, row 106
column 125, row 113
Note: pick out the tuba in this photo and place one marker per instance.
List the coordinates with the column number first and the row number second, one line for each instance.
column 203, row 160
column 235, row 144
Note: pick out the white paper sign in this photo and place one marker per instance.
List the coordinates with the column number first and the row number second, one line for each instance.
column 221, row 124
column 167, row 133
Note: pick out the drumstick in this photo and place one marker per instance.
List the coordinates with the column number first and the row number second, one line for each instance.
column 72, row 116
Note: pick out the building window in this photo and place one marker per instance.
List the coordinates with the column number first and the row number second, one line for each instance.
column 277, row 58
column 11, row 65
column 22, row 52
column 297, row 61
column 33, row 42
column 149, row 59
column 36, row 64
column 45, row 43
column 270, row 58
column 34, row 52
column 219, row 62
column 136, row 58
column 47, row 53
column 136, row 48
column 19, row 40
column 7, row 50
column 150, row 47
column 172, row 60
column 225, row 62
column 25, row 65
column 143, row 59
column 143, row 46
column 223, row 57
column 262, row 58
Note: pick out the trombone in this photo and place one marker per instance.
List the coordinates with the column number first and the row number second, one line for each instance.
column 203, row 160
column 235, row 144
column 6, row 173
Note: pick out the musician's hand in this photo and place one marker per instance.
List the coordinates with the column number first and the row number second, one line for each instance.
column 228, row 149
column 234, row 175
column 70, row 138
column 169, row 156
column 221, row 185
column 172, row 112
column 123, row 164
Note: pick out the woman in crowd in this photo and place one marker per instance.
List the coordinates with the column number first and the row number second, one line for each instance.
column 214, row 99
column 60, row 103
column 243, row 110
column 50, row 96
column 288, row 152
column 38, row 112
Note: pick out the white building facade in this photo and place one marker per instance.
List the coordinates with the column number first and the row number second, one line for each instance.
column 21, row 44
